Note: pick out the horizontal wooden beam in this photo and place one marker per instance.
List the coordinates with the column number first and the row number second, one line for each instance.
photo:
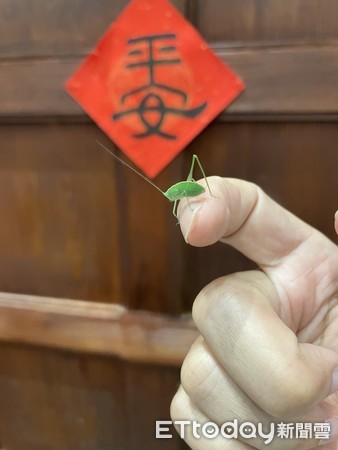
column 250, row 22
column 100, row 328
column 282, row 81
column 38, row 28
column 300, row 81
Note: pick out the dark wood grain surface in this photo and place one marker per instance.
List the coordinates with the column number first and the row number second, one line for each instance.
column 269, row 23
column 55, row 400
column 36, row 28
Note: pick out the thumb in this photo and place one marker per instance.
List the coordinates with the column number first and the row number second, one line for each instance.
column 336, row 222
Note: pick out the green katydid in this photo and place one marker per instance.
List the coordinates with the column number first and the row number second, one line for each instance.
column 182, row 189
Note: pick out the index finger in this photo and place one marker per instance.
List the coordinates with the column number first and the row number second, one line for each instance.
column 242, row 215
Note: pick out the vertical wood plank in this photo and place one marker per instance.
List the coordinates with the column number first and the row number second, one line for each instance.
column 149, row 393
column 53, row 400
column 152, row 243
column 58, row 196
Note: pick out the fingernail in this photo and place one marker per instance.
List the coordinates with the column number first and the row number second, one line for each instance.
column 333, row 433
column 187, row 219
column 334, row 382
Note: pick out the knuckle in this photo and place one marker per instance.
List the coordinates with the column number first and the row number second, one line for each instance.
column 226, row 296
column 197, row 374
column 178, row 407
column 209, row 300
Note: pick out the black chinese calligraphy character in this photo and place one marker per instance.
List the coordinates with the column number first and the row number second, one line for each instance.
column 152, row 102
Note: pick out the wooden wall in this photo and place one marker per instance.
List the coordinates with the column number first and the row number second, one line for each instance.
column 82, row 234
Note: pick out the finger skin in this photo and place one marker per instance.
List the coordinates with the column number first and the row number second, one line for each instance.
column 258, row 325
column 240, row 214
column 238, row 317
column 183, row 408
column 300, row 261
column 218, row 397
column 336, row 222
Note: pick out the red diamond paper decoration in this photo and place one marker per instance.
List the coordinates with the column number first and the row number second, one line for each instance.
column 152, row 84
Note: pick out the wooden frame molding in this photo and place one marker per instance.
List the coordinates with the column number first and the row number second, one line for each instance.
column 100, row 328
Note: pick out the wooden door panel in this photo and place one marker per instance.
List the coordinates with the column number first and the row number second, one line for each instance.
column 61, row 227
column 75, row 224
column 56, row 400
column 80, row 225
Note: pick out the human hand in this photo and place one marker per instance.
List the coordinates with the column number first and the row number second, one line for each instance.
column 268, row 349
